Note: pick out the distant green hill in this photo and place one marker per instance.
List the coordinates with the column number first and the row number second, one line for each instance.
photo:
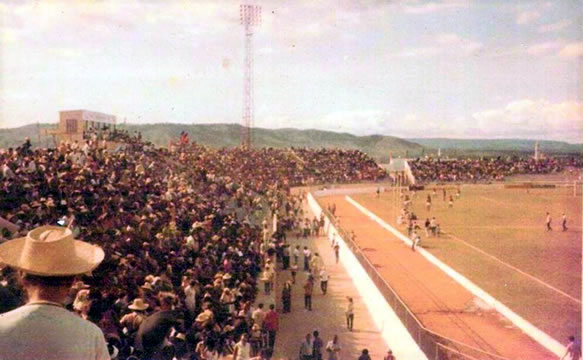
column 228, row 135
column 14, row 137
column 498, row 145
column 377, row 146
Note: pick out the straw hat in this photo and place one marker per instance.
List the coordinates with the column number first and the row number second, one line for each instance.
column 204, row 316
column 138, row 304
column 147, row 286
column 51, row 251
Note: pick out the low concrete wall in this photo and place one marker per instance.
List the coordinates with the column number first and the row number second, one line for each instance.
column 392, row 330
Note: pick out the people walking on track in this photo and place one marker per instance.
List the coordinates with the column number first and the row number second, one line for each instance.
column 333, row 348
column 317, row 345
column 296, row 254
column 548, row 222
column 337, row 251
column 324, row 281
column 294, row 271
column 350, row 314
column 564, row 222
column 306, row 348
column 271, row 324
column 307, row 255
column 389, row 355
column 415, row 241
column 286, row 296
column 308, row 289
column 573, row 349
column 364, row 355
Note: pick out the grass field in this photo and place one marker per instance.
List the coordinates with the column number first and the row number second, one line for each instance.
column 496, row 237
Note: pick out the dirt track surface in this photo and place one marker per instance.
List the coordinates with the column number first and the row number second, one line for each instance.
column 439, row 302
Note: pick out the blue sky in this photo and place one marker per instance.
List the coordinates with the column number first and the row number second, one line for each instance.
column 459, row 68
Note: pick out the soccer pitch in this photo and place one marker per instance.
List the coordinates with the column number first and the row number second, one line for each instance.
column 497, row 238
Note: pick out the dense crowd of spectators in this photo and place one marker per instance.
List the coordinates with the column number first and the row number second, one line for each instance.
column 183, row 231
column 485, row 170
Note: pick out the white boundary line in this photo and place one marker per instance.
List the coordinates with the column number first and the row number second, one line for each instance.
column 538, row 335
column 516, row 269
column 392, row 330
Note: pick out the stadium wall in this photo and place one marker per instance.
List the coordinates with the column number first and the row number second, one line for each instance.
column 409, row 173
column 538, row 335
column 392, row 330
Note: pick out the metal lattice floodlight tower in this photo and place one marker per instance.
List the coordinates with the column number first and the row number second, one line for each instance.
column 250, row 16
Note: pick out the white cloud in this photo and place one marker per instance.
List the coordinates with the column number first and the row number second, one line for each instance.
column 8, row 36
column 543, row 48
column 432, row 7
column 526, row 17
column 445, row 43
column 533, row 118
column 572, row 50
column 457, row 43
column 554, row 27
column 66, row 52
column 419, row 52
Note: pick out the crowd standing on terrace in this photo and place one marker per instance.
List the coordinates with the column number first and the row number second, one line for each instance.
column 181, row 229
column 485, row 170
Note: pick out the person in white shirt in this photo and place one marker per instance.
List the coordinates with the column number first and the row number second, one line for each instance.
column 324, row 281
column 242, row 349
column 190, row 297
column 258, row 316
column 42, row 329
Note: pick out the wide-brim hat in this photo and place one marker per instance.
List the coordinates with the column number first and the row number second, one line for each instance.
column 138, row 304
column 204, row 316
column 147, row 286
column 51, row 251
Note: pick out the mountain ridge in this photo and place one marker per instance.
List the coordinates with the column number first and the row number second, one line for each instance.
column 378, row 146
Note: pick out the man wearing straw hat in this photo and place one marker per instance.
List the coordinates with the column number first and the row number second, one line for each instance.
column 48, row 259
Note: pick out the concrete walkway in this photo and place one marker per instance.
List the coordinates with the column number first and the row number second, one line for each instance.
column 327, row 315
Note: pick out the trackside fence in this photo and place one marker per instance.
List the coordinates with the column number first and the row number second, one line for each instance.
column 434, row 345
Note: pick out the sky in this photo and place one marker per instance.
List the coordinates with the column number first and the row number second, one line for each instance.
column 456, row 69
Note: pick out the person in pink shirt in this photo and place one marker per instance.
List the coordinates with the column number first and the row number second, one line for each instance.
column 271, row 324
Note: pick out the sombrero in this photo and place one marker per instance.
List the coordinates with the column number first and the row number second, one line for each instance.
column 51, row 251
column 138, row 304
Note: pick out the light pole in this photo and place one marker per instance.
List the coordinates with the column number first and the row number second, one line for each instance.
column 250, row 16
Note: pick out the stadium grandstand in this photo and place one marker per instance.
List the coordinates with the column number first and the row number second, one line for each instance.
column 187, row 227
column 177, row 227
